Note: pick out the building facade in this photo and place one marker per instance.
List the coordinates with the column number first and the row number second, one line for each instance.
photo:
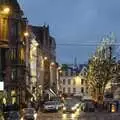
column 46, row 60
column 72, row 83
column 13, row 60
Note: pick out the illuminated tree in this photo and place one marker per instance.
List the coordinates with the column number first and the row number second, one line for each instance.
column 100, row 69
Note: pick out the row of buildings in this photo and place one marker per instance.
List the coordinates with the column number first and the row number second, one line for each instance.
column 27, row 57
column 28, row 67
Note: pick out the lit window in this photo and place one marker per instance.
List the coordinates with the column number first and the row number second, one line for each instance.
column 74, row 82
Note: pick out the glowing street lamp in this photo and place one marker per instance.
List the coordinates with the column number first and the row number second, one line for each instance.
column 60, row 71
column 52, row 63
column 26, row 34
column 45, row 58
column 6, row 10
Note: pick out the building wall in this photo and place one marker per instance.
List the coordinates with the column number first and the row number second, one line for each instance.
column 12, row 36
column 73, row 84
column 46, row 72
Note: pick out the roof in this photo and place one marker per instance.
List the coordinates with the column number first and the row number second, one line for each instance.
column 81, row 66
column 39, row 32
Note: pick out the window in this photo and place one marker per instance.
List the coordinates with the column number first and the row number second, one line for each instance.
column 69, row 90
column 63, row 81
column 82, row 90
column 74, row 82
column 69, row 81
column 86, row 89
column 74, row 90
column 63, row 90
column 82, row 81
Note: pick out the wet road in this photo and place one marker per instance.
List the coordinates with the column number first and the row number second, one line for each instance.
column 78, row 116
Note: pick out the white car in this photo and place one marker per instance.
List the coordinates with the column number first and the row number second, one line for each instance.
column 29, row 113
column 51, row 106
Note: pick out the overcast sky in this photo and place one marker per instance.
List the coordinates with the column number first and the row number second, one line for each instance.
column 75, row 21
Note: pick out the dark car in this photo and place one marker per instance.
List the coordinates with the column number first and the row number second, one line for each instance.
column 11, row 110
column 29, row 114
column 69, row 108
column 13, row 115
column 88, row 107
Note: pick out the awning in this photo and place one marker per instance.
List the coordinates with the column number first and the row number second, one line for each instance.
column 50, row 92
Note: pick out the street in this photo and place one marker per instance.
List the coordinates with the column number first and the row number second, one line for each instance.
column 78, row 116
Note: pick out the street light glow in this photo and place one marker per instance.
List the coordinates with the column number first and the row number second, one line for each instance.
column 45, row 58
column 59, row 68
column 52, row 63
column 60, row 71
column 6, row 10
column 26, row 34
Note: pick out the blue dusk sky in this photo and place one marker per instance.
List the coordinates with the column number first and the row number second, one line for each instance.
column 75, row 22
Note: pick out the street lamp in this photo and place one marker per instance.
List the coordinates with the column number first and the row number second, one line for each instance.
column 26, row 34
column 5, row 10
column 45, row 58
column 52, row 63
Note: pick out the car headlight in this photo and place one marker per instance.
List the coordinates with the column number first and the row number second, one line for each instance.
column 77, row 105
column 64, row 108
column 73, row 108
column 35, row 116
column 21, row 118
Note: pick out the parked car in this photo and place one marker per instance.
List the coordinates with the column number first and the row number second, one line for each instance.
column 88, row 107
column 11, row 111
column 29, row 114
column 13, row 115
column 50, row 106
